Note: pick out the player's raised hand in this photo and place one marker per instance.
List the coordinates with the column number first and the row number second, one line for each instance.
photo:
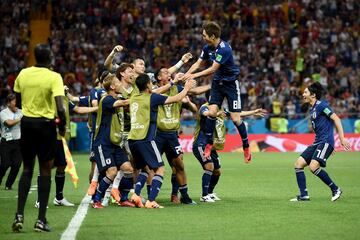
column 117, row 48
column 186, row 57
column 345, row 144
column 178, row 77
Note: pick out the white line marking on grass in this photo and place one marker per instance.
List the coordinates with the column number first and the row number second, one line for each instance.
column 75, row 223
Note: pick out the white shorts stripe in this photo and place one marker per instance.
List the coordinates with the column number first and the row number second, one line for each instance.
column 156, row 150
column 102, row 158
column 322, row 155
column 238, row 94
column 202, row 154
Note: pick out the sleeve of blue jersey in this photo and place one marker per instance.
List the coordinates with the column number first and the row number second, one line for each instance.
column 203, row 109
column 71, row 106
column 84, row 101
column 179, row 88
column 222, row 55
column 326, row 109
column 156, row 100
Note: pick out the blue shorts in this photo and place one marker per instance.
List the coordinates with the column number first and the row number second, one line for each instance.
column 145, row 153
column 319, row 152
column 198, row 151
column 60, row 160
column 226, row 89
column 168, row 143
column 109, row 156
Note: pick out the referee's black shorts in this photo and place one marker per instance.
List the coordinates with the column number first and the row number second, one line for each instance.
column 38, row 138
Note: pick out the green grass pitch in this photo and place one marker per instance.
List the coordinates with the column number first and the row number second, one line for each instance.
column 255, row 205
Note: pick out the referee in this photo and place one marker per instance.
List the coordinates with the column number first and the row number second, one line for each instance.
column 39, row 93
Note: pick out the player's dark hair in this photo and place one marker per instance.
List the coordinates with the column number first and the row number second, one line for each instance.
column 212, row 28
column 157, row 73
column 43, row 55
column 317, row 89
column 137, row 59
column 122, row 68
column 10, row 97
column 142, row 81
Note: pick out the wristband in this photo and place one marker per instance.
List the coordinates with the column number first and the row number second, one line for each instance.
column 179, row 64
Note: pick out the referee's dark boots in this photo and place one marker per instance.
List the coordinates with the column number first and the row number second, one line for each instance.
column 41, row 226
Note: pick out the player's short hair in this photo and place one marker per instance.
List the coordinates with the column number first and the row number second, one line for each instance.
column 142, row 81
column 103, row 74
column 10, row 97
column 212, row 28
column 108, row 81
column 157, row 73
column 137, row 59
column 317, row 89
column 122, row 68
column 43, row 54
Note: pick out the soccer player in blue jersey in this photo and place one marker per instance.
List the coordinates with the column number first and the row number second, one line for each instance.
column 109, row 156
column 225, row 84
column 315, row 156
column 143, row 112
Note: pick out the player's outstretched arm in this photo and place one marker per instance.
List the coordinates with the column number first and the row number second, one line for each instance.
column 166, row 87
column 85, row 110
column 184, row 59
column 340, row 131
column 178, row 97
column 257, row 112
column 200, row 89
column 215, row 66
column 121, row 103
column 69, row 96
column 108, row 61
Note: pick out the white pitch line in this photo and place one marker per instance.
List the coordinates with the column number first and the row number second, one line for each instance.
column 75, row 223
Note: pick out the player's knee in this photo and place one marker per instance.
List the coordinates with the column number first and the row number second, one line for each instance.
column 160, row 171
column 111, row 172
column 235, row 117
column 126, row 167
column 314, row 165
column 60, row 169
column 300, row 163
column 178, row 164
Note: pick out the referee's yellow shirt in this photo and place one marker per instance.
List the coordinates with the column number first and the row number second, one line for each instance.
column 38, row 86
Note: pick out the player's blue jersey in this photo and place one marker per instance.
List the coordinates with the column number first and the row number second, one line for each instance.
column 155, row 101
column 71, row 106
column 222, row 54
column 95, row 94
column 84, row 101
column 321, row 122
column 201, row 139
column 103, row 137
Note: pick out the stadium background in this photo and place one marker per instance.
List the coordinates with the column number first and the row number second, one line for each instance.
column 280, row 46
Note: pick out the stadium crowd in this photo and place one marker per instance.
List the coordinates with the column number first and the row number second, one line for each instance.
column 280, row 47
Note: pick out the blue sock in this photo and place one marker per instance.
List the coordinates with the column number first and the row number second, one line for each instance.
column 125, row 185
column 140, row 182
column 322, row 174
column 206, row 182
column 174, row 184
column 243, row 134
column 103, row 186
column 155, row 187
column 301, row 181
column 213, row 181
column 59, row 182
column 209, row 129
column 184, row 191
